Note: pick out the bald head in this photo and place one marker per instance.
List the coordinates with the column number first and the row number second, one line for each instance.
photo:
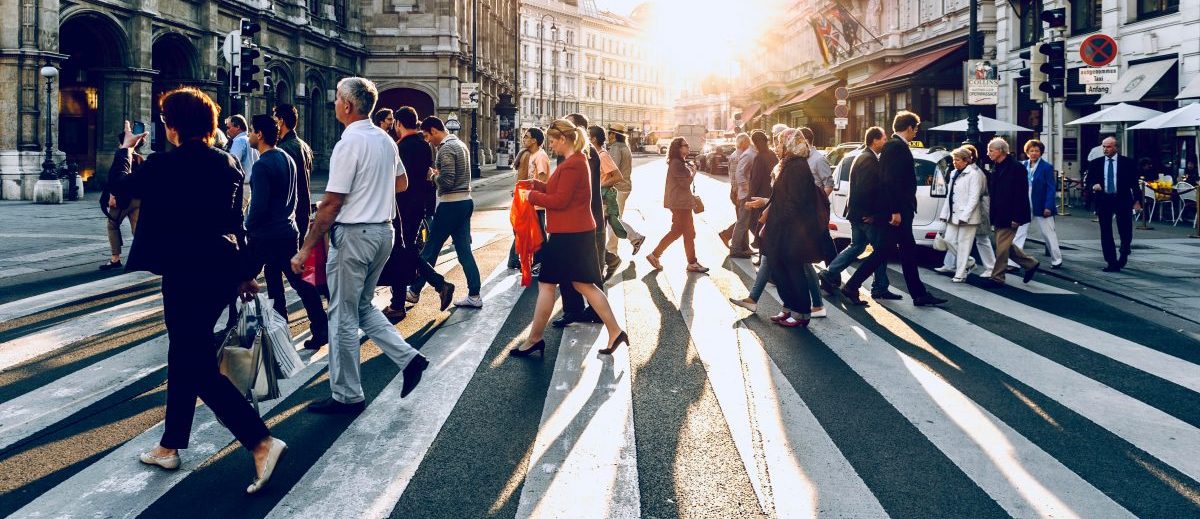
column 1110, row 146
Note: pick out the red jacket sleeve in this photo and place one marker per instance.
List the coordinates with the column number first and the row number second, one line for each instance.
column 561, row 191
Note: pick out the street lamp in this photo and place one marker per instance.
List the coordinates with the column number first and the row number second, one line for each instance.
column 558, row 55
column 542, row 61
column 49, row 171
column 973, row 52
column 475, row 171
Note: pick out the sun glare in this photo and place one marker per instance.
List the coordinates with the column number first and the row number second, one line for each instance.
column 692, row 39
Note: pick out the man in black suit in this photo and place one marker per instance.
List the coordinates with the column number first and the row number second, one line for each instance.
column 1115, row 190
column 899, row 201
column 866, row 189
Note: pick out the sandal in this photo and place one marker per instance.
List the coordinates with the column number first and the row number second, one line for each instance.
column 696, row 267
column 653, row 261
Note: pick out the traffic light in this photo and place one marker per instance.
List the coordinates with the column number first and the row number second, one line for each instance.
column 1033, row 73
column 1055, row 18
column 247, row 69
column 1055, row 68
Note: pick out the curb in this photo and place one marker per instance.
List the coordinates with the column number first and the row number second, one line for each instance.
column 480, row 182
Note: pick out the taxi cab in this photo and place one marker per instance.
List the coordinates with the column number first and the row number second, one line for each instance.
column 932, row 171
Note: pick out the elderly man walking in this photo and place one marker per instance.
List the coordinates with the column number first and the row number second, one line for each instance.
column 739, row 245
column 365, row 173
column 1009, row 188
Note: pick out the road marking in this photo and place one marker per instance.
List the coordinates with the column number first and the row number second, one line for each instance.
column 1161, row 435
column 1149, row 360
column 56, row 253
column 32, row 305
column 368, row 467
column 55, row 236
column 18, row 271
column 78, row 329
column 1022, row 478
column 584, row 460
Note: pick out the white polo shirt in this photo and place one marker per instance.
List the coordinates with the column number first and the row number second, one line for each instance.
column 364, row 166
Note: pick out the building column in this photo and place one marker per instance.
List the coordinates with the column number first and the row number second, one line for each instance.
column 28, row 37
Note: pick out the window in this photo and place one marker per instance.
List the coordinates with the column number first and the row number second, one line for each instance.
column 524, row 26
column 570, row 60
column 1152, row 8
column 570, row 37
column 314, row 6
column 1031, row 22
column 1085, row 16
column 525, row 51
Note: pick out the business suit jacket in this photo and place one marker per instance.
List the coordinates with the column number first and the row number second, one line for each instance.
column 1009, row 188
column 1042, row 188
column 896, row 164
column 1127, row 179
column 866, row 189
column 191, row 213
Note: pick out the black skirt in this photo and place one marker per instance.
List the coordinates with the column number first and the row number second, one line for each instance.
column 570, row 257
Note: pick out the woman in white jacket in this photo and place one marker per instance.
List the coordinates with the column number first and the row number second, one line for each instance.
column 963, row 211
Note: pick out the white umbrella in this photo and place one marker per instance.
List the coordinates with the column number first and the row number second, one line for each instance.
column 986, row 125
column 1182, row 117
column 1122, row 113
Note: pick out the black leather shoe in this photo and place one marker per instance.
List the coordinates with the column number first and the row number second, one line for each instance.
column 1030, row 272
column 111, row 265
column 539, row 347
column 827, row 285
column 315, row 342
column 445, row 296
column 589, row 316
column 412, row 374
column 331, row 406
column 928, row 300
column 1122, row 261
column 1111, row 268
column 565, row 321
column 889, row 295
column 852, row 297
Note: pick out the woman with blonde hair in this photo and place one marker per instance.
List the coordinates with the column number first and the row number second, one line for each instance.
column 568, row 256
column 962, row 210
column 679, row 199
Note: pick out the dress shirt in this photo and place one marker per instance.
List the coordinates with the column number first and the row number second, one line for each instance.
column 364, row 166
column 822, row 173
column 241, row 150
column 741, row 175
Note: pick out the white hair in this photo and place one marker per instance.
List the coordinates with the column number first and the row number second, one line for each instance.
column 360, row 92
column 999, row 144
column 778, row 128
column 742, row 137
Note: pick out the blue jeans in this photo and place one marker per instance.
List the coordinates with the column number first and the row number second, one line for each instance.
column 860, row 236
column 451, row 220
column 761, row 279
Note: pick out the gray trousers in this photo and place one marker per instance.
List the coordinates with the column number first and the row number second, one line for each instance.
column 741, row 228
column 357, row 254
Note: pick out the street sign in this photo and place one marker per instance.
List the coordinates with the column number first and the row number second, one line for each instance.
column 1098, row 75
column 1098, row 89
column 841, row 93
column 468, row 95
column 982, row 79
column 842, row 102
column 840, row 122
column 1098, row 50
column 841, row 111
column 229, row 47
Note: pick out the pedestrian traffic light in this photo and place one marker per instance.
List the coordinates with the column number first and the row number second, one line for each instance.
column 246, row 68
column 1033, row 73
column 1055, row 68
column 1055, row 18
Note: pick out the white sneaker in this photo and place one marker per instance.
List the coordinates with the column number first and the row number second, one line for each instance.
column 944, row 269
column 959, row 280
column 470, row 302
column 970, row 263
column 412, row 297
column 816, row 314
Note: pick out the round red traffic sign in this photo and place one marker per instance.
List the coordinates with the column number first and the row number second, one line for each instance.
column 1098, row 50
column 841, row 93
column 841, row 111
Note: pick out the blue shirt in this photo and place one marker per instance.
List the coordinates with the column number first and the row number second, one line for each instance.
column 240, row 148
column 272, row 211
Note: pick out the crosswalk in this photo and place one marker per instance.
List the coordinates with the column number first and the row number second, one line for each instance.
column 1021, row 403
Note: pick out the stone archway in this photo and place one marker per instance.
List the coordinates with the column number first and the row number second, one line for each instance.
column 89, row 115
column 178, row 64
column 394, row 98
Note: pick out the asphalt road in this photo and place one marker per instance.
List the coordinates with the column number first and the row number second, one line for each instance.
column 1040, row 400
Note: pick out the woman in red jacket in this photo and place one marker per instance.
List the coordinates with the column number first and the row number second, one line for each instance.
column 567, row 256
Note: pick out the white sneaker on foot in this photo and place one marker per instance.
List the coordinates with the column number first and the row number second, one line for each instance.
column 944, row 269
column 470, row 302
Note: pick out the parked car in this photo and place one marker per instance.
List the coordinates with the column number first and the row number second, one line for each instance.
column 835, row 153
column 932, row 170
column 662, row 145
column 702, row 161
column 717, row 160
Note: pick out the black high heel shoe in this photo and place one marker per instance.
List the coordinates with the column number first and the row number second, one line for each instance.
column 539, row 347
column 621, row 339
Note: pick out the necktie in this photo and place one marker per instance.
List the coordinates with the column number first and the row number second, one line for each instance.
column 1110, row 178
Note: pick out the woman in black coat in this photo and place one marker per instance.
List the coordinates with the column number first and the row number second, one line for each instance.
column 793, row 234
column 191, row 234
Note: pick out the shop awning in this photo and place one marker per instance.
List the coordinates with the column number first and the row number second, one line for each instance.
column 908, row 67
column 809, row 93
column 1135, row 82
column 1192, row 90
column 750, row 112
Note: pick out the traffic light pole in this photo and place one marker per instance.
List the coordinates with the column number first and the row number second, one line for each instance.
column 973, row 52
column 475, row 172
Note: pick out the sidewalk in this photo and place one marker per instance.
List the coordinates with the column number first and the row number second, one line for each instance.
column 38, row 239
column 1163, row 270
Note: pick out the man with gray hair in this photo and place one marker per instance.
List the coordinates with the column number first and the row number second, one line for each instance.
column 740, row 147
column 365, row 173
column 1008, row 187
column 739, row 176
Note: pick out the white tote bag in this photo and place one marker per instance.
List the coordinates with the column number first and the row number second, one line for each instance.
column 279, row 339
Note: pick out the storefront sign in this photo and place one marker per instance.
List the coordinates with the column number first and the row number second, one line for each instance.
column 981, row 82
column 1098, row 75
column 1098, row 89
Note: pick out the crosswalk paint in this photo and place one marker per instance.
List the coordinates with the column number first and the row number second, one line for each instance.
column 1022, row 478
column 584, row 459
column 1149, row 360
column 370, row 464
column 72, row 331
column 41, row 302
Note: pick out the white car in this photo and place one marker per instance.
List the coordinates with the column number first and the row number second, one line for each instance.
column 932, row 170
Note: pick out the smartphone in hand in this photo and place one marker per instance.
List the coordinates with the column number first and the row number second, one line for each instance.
column 139, row 127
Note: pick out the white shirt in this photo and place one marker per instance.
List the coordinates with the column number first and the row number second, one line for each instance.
column 364, row 166
column 741, row 174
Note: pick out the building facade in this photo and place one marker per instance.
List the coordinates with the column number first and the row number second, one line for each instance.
column 577, row 58
column 699, row 105
column 420, row 53
column 115, row 58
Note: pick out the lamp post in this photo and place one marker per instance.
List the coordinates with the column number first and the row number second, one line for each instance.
column 601, row 101
column 554, row 84
column 475, row 172
column 49, row 171
column 973, row 52
column 542, row 61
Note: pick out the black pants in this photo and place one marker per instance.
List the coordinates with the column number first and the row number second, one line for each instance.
column 1108, row 207
column 192, row 303
column 276, row 257
column 411, row 216
column 791, row 278
column 573, row 303
column 901, row 236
